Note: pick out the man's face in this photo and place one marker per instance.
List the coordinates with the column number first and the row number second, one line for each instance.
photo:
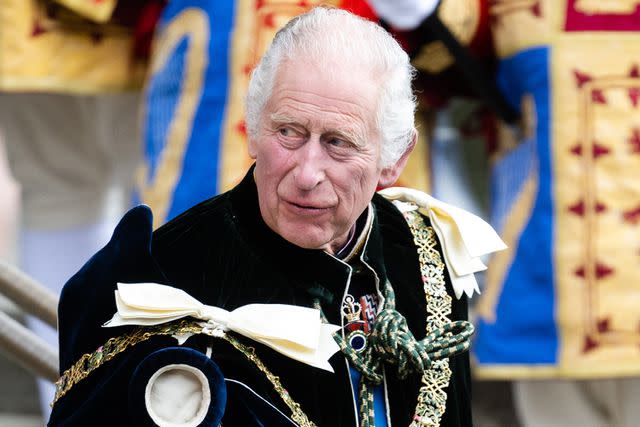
column 317, row 153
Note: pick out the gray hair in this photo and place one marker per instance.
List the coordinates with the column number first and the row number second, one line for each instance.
column 323, row 34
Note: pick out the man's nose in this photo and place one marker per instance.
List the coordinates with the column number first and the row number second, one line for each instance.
column 310, row 168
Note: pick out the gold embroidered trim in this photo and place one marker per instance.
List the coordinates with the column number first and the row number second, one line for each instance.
column 249, row 352
column 91, row 361
column 462, row 18
column 114, row 346
column 432, row 397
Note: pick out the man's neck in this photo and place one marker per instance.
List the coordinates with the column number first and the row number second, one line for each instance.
column 357, row 236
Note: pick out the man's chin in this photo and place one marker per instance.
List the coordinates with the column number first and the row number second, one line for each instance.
column 307, row 241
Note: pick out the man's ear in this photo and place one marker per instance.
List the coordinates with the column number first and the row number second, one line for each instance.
column 253, row 149
column 391, row 173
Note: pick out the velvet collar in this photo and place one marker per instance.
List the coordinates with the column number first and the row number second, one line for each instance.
column 327, row 271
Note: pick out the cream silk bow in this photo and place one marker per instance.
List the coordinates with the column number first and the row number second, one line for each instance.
column 297, row 332
column 464, row 237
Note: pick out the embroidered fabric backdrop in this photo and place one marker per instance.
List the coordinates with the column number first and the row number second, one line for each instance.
column 45, row 47
column 562, row 302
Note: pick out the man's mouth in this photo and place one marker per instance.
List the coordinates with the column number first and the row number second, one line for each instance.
column 308, row 208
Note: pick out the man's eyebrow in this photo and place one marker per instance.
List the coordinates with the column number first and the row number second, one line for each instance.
column 347, row 133
column 282, row 118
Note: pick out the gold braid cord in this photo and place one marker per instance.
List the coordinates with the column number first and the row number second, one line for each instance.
column 432, row 398
column 297, row 414
column 114, row 346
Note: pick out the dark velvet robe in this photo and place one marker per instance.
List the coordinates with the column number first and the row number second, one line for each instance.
column 223, row 254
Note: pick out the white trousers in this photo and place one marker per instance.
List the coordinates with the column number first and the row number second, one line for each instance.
column 68, row 152
column 10, row 202
column 585, row 403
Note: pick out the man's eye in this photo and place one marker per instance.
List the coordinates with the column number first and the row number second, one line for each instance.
column 287, row 132
column 336, row 142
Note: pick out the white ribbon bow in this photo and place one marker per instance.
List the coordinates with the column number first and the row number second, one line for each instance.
column 464, row 237
column 297, row 332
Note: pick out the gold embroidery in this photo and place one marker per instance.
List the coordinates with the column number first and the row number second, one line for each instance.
column 517, row 25
column 157, row 191
column 51, row 49
column 417, row 173
column 462, row 18
column 297, row 414
column 432, row 398
column 501, row 262
column 98, row 11
column 621, row 7
column 433, row 58
column 91, row 361
column 114, row 346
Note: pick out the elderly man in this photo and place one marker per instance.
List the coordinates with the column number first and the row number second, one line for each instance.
column 300, row 297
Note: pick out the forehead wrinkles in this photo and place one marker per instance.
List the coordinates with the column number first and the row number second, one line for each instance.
column 323, row 114
column 294, row 93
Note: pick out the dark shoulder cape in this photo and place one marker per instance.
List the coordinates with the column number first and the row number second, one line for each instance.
column 223, row 254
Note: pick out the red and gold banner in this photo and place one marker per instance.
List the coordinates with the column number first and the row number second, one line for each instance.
column 45, row 47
